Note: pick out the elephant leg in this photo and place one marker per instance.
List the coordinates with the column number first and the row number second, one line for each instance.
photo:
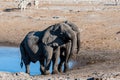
column 46, row 71
column 66, row 63
column 66, row 67
column 27, row 64
column 42, row 66
column 67, row 55
column 62, row 60
column 26, row 61
column 60, row 64
column 55, row 60
column 27, row 67
column 77, row 31
column 49, row 54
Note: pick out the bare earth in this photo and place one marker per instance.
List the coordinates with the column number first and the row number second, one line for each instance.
column 100, row 39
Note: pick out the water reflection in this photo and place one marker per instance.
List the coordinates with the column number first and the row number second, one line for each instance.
column 10, row 59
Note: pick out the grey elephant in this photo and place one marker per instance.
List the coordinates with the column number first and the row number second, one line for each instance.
column 77, row 31
column 43, row 45
column 31, row 52
column 65, row 50
column 66, row 34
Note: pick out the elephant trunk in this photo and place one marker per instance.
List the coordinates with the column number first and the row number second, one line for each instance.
column 73, row 45
column 78, row 42
column 21, row 64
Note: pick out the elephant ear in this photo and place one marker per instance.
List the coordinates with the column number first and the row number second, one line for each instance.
column 49, row 39
column 50, row 34
column 56, row 29
column 32, row 44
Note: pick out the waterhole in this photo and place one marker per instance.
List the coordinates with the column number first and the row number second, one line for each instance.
column 10, row 58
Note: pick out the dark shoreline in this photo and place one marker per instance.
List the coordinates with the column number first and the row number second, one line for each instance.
column 9, row 44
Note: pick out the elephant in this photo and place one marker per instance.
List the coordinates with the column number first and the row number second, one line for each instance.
column 68, row 36
column 65, row 51
column 77, row 31
column 31, row 52
column 64, row 32
column 64, row 56
column 46, row 45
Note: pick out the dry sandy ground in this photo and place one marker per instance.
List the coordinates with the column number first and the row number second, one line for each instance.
column 100, row 43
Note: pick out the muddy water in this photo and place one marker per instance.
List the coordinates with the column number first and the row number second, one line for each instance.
column 10, row 59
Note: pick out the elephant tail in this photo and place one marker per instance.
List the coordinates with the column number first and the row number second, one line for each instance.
column 22, row 53
column 21, row 64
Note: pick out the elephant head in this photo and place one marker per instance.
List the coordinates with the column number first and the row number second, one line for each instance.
column 77, row 31
column 63, row 31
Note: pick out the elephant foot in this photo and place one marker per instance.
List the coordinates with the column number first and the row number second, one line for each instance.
column 73, row 56
column 78, row 52
column 55, row 72
column 42, row 73
column 46, row 73
column 28, row 72
column 60, row 70
column 65, row 70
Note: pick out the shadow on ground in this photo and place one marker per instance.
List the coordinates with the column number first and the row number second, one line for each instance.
column 110, row 4
column 11, row 9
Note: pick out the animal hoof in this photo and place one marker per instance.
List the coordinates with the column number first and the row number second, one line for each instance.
column 47, row 73
column 60, row 70
column 55, row 72
column 65, row 70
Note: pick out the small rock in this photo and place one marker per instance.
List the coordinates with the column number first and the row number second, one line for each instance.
column 56, row 17
column 16, row 74
column 95, row 78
